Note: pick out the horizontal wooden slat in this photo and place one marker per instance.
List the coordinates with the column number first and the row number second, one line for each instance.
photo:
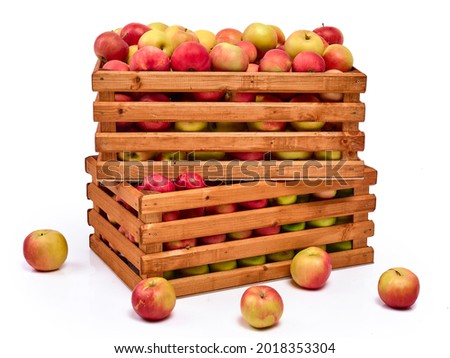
column 229, row 111
column 248, row 275
column 231, row 250
column 231, row 170
column 229, row 141
column 252, row 219
column 168, row 81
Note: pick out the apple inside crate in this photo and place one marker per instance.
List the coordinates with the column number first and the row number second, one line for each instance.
column 231, row 233
column 288, row 125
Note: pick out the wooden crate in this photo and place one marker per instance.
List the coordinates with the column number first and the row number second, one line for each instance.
column 343, row 118
column 135, row 261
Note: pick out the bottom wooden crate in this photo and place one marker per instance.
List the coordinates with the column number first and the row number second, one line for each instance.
column 225, row 279
column 132, row 237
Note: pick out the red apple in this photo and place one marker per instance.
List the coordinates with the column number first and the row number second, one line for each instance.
column 228, row 57
column 275, row 60
column 153, row 298
column 398, row 287
column 230, row 35
column 158, row 182
column 247, row 155
column 311, row 267
column 179, row 244
column 254, row 204
column 132, row 31
column 330, row 34
column 189, row 180
column 149, row 58
column 268, row 126
column 110, row 46
column 154, row 126
column 253, row 67
column 338, row 57
column 221, row 209
column 269, row 230
column 234, row 96
column 45, row 250
column 308, row 61
column 116, row 65
column 281, row 38
column 171, row 215
column 128, row 235
column 261, row 306
column 250, row 50
column 211, row 239
column 190, row 56
column 207, row 96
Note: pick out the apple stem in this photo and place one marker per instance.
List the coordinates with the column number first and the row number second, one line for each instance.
column 398, row 273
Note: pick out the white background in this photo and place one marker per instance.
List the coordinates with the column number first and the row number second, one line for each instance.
column 47, row 130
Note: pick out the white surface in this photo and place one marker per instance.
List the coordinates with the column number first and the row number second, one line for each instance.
column 47, row 131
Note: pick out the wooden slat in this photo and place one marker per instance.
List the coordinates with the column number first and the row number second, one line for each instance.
column 252, row 219
column 232, row 170
column 230, row 250
column 168, row 81
column 229, row 141
column 228, row 111
column 247, row 275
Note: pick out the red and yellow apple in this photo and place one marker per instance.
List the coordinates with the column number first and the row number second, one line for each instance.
column 311, row 267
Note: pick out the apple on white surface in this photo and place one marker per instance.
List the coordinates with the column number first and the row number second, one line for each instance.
column 116, row 65
column 229, row 34
column 110, row 46
column 276, row 60
column 263, row 36
column 303, row 40
column 261, row 306
column 153, row 298
column 190, row 56
column 45, row 250
column 398, row 287
column 338, row 57
column 331, row 34
column 228, row 57
column 223, row 266
column 308, row 61
column 311, row 267
column 149, row 58
column 135, row 156
column 156, row 38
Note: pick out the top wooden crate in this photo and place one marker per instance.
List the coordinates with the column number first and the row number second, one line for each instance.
column 342, row 117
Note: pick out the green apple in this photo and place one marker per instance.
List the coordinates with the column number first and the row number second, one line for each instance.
column 157, row 38
column 135, row 156
column 303, row 40
column 298, row 155
column 239, row 235
column 321, row 222
column 340, row 246
column 293, row 227
column 191, row 126
column 328, row 155
column 286, row 200
column 206, row 38
column 252, row 261
column 169, row 275
column 223, row 266
column 171, row 156
column 195, row 270
column 206, row 155
column 263, row 36
column 307, row 126
column 281, row 256
column 158, row 26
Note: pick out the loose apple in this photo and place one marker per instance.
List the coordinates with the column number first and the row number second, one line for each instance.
column 45, row 250
column 311, row 267
column 261, row 306
column 398, row 287
column 153, row 298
